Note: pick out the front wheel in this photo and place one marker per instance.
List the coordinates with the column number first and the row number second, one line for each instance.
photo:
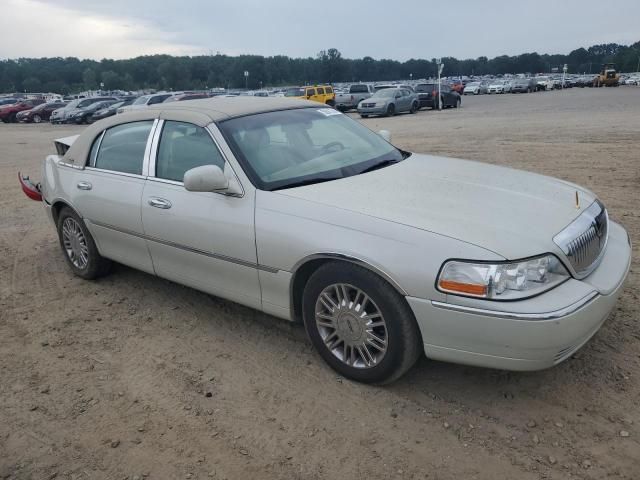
column 391, row 110
column 360, row 325
column 79, row 249
column 362, row 115
column 37, row 118
column 414, row 107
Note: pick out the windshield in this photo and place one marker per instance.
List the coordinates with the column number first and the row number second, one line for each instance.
column 386, row 93
column 293, row 147
column 142, row 100
column 359, row 89
column 294, row 92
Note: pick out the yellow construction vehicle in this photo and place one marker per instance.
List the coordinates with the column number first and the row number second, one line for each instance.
column 608, row 76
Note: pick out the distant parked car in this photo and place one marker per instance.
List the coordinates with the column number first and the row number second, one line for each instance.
column 543, row 83
column 388, row 102
column 146, row 101
column 39, row 113
column 9, row 101
column 9, row 112
column 428, row 96
column 497, row 86
column 475, row 88
column 109, row 110
column 62, row 115
column 196, row 96
column 523, row 85
column 457, row 86
column 317, row 93
column 84, row 115
column 356, row 93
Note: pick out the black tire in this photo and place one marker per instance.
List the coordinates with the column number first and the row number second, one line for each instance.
column 414, row 107
column 364, row 115
column 96, row 265
column 36, row 118
column 458, row 103
column 391, row 110
column 12, row 118
column 404, row 342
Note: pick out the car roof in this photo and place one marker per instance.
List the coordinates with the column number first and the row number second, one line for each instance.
column 199, row 112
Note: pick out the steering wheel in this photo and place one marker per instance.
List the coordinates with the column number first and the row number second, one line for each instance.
column 327, row 148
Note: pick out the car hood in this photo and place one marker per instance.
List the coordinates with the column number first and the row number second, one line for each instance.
column 512, row 213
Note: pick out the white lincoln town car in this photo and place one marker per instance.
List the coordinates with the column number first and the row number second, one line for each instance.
column 299, row 211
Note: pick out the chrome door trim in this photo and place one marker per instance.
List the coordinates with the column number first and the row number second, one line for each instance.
column 153, row 148
column 146, row 163
column 554, row 314
column 205, row 253
column 115, row 172
column 92, row 161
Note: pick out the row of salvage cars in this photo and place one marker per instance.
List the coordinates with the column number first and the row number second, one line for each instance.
column 295, row 209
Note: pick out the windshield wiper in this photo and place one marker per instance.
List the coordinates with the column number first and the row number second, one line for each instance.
column 380, row 164
column 309, row 181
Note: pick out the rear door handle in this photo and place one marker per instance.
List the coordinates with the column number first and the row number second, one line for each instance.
column 84, row 186
column 160, row 203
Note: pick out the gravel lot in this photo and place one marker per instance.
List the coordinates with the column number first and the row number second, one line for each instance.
column 133, row 376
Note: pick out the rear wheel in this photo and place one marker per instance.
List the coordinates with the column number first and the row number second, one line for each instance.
column 458, row 103
column 78, row 246
column 360, row 325
column 414, row 107
column 364, row 115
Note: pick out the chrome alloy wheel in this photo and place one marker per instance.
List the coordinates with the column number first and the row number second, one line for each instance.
column 351, row 326
column 75, row 244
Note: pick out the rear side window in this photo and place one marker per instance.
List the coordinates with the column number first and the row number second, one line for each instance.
column 121, row 148
column 320, row 91
column 184, row 146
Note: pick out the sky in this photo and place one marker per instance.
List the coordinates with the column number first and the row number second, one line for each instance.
column 409, row 29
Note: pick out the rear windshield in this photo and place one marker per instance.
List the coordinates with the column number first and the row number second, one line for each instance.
column 294, row 92
column 359, row 89
column 426, row 87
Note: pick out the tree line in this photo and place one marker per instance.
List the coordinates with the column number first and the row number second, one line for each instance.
column 68, row 75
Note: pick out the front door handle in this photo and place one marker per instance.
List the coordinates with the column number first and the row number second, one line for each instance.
column 160, row 203
column 84, row 186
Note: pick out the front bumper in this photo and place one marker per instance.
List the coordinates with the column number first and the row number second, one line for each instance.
column 530, row 334
column 372, row 110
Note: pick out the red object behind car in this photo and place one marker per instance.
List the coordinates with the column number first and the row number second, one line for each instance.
column 40, row 113
column 9, row 112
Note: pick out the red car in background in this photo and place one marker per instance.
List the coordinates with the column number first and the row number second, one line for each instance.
column 8, row 113
column 39, row 113
column 457, row 86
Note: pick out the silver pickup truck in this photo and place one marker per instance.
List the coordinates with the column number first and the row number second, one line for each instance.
column 350, row 100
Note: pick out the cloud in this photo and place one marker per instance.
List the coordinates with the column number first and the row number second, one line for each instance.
column 410, row 29
column 34, row 29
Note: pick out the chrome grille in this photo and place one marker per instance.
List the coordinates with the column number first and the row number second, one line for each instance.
column 584, row 240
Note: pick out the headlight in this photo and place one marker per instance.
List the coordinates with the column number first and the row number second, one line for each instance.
column 502, row 280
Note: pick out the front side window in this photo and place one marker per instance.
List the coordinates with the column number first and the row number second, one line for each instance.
column 311, row 92
column 294, row 147
column 320, row 91
column 158, row 99
column 329, row 89
column 184, row 146
column 122, row 148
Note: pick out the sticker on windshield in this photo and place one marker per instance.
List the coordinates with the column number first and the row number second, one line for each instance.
column 327, row 112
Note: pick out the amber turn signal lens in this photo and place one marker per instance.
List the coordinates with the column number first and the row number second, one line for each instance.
column 468, row 288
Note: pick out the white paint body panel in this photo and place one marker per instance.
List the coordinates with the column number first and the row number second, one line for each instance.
column 402, row 222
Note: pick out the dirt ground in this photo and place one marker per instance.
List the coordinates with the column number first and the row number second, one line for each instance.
column 132, row 376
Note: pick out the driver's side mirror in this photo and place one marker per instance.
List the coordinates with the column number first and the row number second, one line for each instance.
column 207, row 178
